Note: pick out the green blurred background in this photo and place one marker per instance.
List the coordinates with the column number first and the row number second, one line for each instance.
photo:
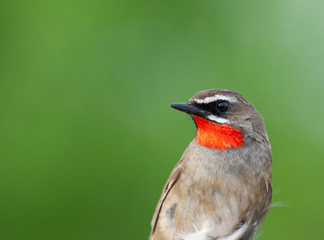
column 87, row 136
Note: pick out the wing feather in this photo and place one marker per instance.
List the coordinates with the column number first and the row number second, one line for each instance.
column 167, row 187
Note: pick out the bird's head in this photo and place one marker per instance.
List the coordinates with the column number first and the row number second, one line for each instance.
column 224, row 119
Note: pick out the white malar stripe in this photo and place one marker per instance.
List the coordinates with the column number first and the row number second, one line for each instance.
column 215, row 98
column 217, row 119
column 236, row 234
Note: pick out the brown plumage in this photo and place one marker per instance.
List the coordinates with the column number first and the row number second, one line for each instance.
column 221, row 191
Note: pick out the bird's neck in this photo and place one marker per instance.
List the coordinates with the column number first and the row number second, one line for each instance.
column 217, row 136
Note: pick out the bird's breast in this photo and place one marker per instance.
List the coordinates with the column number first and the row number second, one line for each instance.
column 212, row 195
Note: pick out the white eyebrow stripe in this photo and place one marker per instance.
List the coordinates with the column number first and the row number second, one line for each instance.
column 215, row 98
column 217, row 119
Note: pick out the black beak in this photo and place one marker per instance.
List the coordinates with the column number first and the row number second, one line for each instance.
column 190, row 109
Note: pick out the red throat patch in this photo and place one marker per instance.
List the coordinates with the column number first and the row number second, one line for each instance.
column 217, row 136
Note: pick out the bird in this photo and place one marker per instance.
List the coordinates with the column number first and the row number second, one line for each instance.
column 221, row 188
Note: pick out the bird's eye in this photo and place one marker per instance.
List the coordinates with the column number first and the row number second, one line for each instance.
column 222, row 106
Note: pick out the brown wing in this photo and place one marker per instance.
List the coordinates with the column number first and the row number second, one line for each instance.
column 261, row 213
column 249, row 234
column 167, row 187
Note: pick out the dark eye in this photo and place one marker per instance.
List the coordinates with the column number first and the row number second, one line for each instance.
column 222, row 106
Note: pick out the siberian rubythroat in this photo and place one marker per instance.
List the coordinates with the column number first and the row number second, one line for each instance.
column 221, row 188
